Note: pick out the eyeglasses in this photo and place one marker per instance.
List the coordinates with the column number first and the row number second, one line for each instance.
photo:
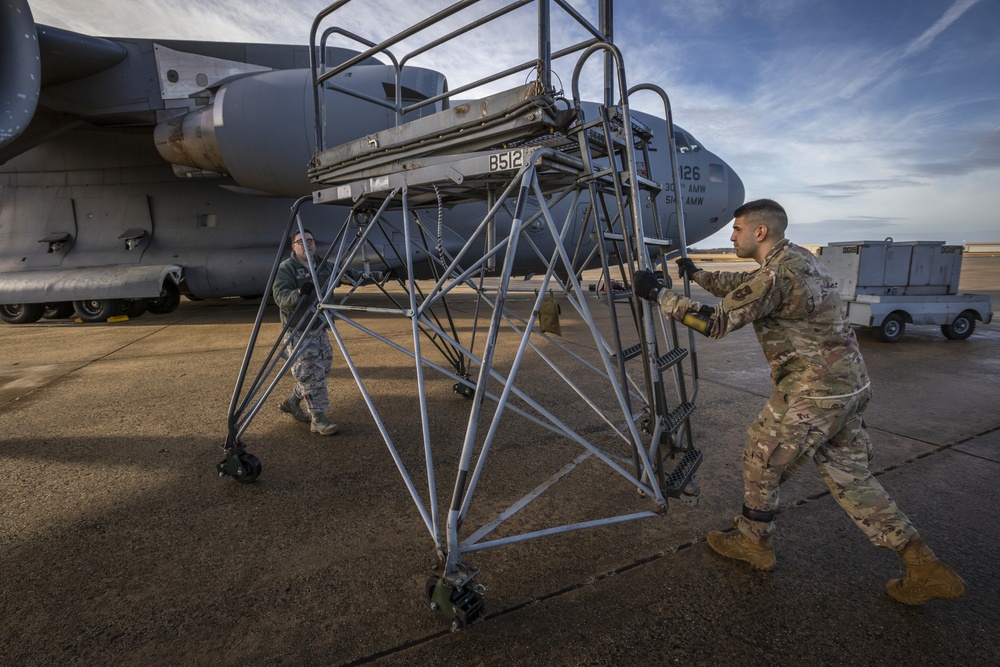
column 309, row 241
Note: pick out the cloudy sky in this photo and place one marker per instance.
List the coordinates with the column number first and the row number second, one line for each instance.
column 865, row 118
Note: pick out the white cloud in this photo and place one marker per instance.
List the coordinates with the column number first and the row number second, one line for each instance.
column 950, row 16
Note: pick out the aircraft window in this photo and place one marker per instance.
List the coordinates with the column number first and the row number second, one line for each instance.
column 681, row 140
column 695, row 145
column 685, row 142
column 716, row 173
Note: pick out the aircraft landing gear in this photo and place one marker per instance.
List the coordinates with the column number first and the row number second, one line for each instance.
column 459, row 606
column 238, row 464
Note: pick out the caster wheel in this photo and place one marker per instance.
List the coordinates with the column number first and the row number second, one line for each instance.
column 248, row 470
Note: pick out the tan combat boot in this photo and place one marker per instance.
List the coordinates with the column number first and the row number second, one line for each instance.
column 320, row 424
column 760, row 555
column 293, row 406
column 926, row 577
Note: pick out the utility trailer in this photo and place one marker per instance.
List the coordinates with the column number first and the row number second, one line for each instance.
column 886, row 285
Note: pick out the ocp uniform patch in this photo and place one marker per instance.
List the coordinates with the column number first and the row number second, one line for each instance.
column 750, row 291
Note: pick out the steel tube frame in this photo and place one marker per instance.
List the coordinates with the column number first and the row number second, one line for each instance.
column 469, row 262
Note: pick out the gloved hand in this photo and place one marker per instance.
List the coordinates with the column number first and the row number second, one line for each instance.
column 686, row 267
column 647, row 285
column 305, row 289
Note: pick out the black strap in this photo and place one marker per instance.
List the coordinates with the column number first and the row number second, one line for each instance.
column 758, row 515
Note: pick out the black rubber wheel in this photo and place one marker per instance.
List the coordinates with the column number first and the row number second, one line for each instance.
column 961, row 327
column 58, row 310
column 135, row 307
column 249, row 469
column 98, row 310
column 892, row 328
column 168, row 300
column 21, row 313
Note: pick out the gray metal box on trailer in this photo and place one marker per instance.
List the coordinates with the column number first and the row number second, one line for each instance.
column 897, row 269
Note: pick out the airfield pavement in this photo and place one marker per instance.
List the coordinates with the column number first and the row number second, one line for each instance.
column 119, row 545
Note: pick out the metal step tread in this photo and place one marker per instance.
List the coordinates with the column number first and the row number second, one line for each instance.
column 648, row 240
column 676, row 418
column 682, row 473
column 671, row 358
column 630, row 352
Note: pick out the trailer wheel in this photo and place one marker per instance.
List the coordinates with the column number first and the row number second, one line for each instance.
column 891, row 329
column 21, row 313
column 961, row 327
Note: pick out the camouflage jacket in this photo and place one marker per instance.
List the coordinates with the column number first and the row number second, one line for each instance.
column 796, row 312
column 291, row 275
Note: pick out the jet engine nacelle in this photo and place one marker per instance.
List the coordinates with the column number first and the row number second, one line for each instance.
column 20, row 70
column 259, row 129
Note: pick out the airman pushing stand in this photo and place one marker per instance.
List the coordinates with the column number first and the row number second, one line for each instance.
column 820, row 390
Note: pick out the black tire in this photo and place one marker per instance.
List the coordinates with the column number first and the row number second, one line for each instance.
column 97, row 310
column 167, row 302
column 249, row 469
column 21, row 313
column 961, row 327
column 892, row 328
column 135, row 308
column 58, row 310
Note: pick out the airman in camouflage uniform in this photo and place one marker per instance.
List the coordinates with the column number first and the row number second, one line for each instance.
column 820, row 391
column 311, row 368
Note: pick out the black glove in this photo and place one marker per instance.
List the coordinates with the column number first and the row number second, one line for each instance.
column 647, row 285
column 686, row 267
column 305, row 289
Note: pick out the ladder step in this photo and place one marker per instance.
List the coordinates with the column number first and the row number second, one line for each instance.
column 676, row 418
column 682, row 473
column 671, row 358
column 648, row 240
column 644, row 183
column 630, row 352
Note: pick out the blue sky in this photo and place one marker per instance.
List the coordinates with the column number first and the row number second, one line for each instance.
column 865, row 119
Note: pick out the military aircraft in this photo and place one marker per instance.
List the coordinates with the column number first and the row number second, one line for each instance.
column 133, row 171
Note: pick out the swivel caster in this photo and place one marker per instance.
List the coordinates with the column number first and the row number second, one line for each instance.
column 460, row 607
column 243, row 467
column 464, row 390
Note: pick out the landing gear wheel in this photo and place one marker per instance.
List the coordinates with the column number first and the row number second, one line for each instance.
column 891, row 329
column 135, row 307
column 98, row 310
column 58, row 310
column 167, row 302
column 21, row 313
column 961, row 327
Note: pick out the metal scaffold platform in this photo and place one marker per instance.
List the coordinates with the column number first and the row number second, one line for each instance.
column 559, row 186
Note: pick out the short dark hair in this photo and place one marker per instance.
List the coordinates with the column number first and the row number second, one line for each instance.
column 766, row 212
column 304, row 231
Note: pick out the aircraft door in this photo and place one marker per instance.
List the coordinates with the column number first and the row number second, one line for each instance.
column 37, row 227
column 112, row 228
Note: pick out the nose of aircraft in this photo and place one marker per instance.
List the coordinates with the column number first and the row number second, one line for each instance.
column 737, row 193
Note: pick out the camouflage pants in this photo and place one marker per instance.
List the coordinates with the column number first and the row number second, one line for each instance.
column 831, row 432
column 312, row 368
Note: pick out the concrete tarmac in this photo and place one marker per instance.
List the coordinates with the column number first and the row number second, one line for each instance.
column 120, row 545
